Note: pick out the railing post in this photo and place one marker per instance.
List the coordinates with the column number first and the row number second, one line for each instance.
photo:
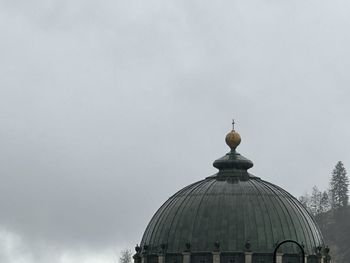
column 248, row 257
column 186, row 257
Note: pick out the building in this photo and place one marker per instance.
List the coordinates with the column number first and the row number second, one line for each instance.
column 232, row 217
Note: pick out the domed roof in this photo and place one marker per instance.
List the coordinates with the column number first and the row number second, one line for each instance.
column 232, row 208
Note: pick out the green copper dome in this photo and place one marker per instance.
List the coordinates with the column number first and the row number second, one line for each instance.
column 232, row 211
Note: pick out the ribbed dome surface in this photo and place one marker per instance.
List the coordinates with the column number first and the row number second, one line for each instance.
column 231, row 208
column 231, row 212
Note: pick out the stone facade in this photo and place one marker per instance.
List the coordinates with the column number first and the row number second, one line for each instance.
column 218, row 257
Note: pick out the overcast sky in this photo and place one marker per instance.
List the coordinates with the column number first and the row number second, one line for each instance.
column 109, row 107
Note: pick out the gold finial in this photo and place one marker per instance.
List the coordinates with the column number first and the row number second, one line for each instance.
column 233, row 139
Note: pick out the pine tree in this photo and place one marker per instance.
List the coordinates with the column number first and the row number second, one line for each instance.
column 324, row 205
column 125, row 256
column 339, row 186
column 315, row 201
column 305, row 201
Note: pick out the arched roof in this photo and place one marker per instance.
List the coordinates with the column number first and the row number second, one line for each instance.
column 231, row 208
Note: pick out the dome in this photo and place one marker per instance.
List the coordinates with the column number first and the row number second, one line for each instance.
column 231, row 211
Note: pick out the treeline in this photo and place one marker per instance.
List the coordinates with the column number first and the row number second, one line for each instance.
column 335, row 197
column 332, row 213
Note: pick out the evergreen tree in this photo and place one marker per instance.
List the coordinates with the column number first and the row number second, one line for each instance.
column 339, row 186
column 125, row 256
column 324, row 205
column 305, row 201
column 315, row 201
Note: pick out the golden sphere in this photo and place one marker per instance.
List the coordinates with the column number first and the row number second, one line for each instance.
column 233, row 139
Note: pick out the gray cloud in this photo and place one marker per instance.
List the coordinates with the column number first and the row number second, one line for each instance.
column 107, row 109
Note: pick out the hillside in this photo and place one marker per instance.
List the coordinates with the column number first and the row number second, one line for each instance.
column 335, row 226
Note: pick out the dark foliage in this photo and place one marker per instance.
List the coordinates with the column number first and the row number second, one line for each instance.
column 339, row 186
column 335, row 226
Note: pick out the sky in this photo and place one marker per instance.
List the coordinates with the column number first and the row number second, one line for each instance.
column 107, row 108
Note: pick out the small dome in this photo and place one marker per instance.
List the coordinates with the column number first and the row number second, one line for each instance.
column 232, row 208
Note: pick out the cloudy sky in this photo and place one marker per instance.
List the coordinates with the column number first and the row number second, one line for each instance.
column 109, row 107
